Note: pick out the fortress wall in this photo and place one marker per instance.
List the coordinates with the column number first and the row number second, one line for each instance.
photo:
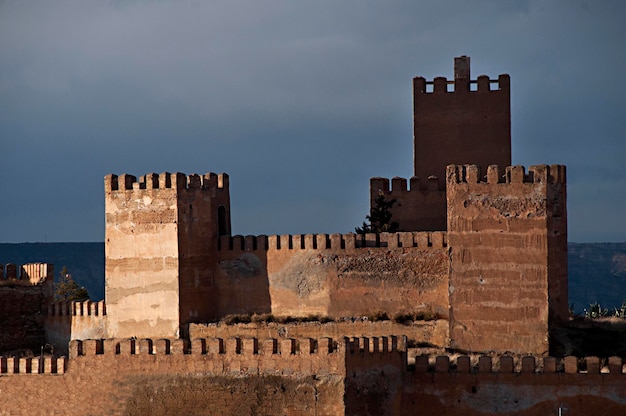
column 587, row 386
column 433, row 332
column 208, row 376
column 334, row 275
column 64, row 321
column 498, row 231
column 21, row 323
column 419, row 206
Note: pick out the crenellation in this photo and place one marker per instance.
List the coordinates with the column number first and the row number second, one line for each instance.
column 398, row 184
column 507, row 364
column 76, row 308
column 442, row 364
column 162, row 346
column 198, row 346
column 288, row 346
column 485, row 364
column 166, row 180
column 232, row 346
column 32, row 365
column 482, row 84
column 349, row 241
column 528, row 364
column 592, row 365
column 29, row 274
column 470, row 174
column 145, row 347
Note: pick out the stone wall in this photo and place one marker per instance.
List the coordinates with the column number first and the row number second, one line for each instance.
column 501, row 236
column 65, row 321
column 464, row 387
column 23, row 292
column 421, row 206
column 333, row 275
column 21, row 322
column 366, row 376
column 208, row 377
column 433, row 332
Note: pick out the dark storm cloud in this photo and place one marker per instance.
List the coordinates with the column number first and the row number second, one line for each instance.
column 300, row 102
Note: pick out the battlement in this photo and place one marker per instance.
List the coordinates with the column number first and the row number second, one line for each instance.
column 527, row 364
column 236, row 346
column 471, row 174
column 165, row 180
column 421, row 240
column 399, row 185
column 27, row 274
column 440, row 85
column 32, row 365
column 86, row 308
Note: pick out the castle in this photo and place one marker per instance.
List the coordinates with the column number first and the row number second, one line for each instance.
column 482, row 246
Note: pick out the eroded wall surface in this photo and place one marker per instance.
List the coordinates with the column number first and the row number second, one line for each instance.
column 336, row 276
column 433, row 332
column 164, row 377
column 500, row 239
column 141, row 251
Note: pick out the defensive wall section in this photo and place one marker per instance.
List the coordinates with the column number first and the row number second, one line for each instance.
column 333, row 275
column 507, row 233
column 205, row 376
column 303, row 376
column 65, row 321
column 23, row 290
column 428, row 332
column 161, row 233
column 419, row 206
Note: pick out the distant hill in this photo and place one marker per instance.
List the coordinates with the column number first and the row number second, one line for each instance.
column 597, row 271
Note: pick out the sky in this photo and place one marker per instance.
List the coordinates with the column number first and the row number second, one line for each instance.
column 300, row 102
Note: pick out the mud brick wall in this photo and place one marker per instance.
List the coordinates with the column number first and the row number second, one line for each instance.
column 504, row 284
column 333, row 275
column 165, row 377
column 433, row 332
column 464, row 387
column 21, row 321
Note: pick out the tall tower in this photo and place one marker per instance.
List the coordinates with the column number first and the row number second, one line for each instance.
column 469, row 125
column 161, row 233
column 508, row 248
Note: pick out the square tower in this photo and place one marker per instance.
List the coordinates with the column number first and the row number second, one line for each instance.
column 161, row 236
column 469, row 125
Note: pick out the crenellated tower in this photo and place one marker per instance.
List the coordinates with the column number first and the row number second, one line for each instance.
column 461, row 121
column 161, row 236
column 508, row 257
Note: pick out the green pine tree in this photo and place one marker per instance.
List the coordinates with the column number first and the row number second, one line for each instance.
column 68, row 290
column 380, row 217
